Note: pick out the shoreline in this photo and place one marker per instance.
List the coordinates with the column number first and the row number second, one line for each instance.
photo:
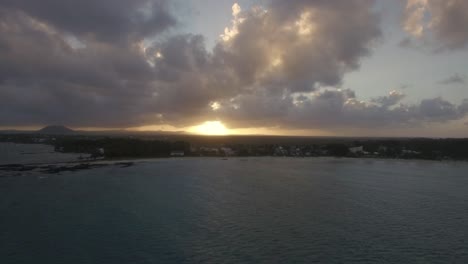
column 73, row 166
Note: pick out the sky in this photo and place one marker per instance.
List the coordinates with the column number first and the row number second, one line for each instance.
column 298, row 67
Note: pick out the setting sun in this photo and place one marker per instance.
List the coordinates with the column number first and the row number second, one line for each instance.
column 211, row 128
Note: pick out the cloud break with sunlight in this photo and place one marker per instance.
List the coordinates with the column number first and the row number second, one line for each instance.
column 211, row 128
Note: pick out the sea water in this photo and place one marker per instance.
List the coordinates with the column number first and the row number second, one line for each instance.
column 252, row 210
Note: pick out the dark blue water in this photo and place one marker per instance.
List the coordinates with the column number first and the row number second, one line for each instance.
column 264, row 210
column 11, row 153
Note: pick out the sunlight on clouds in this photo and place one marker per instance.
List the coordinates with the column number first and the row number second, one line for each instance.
column 415, row 13
column 440, row 24
column 42, row 27
column 236, row 9
column 74, row 42
column 141, row 46
column 277, row 62
column 152, row 55
column 215, row 106
column 230, row 33
column 304, row 25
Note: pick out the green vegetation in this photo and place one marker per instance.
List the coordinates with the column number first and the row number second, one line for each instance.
column 164, row 146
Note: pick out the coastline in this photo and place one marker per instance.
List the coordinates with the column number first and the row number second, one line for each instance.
column 15, row 170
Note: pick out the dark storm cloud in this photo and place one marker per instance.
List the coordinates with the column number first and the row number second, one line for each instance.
column 44, row 79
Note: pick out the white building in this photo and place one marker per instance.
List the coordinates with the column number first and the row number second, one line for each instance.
column 177, row 153
column 356, row 150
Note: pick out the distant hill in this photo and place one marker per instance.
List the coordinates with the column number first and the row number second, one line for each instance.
column 56, row 130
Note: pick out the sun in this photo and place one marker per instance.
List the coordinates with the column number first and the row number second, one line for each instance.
column 211, row 128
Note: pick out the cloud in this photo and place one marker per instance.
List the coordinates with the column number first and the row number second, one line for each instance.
column 339, row 109
column 236, row 9
column 439, row 110
column 273, row 67
column 299, row 46
column 103, row 71
column 454, row 79
column 391, row 99
column 414, row 19
column 45, row 79
column 441, row 23
column 109, row 20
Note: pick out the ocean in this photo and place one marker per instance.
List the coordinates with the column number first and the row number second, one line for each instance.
column 11, row 153
column 239, row 210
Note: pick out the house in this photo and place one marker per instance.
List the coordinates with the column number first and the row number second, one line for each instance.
column 280, row 151
column 177, row 153
column 209, row 151
column 101, row 151
column 228, row 151
column 410, row 152
column 356, row 150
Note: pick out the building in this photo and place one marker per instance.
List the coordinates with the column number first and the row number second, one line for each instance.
column 177, row 153
column 356, row 150
column 228, row 152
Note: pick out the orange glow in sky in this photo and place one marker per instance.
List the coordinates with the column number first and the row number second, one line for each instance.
column 211, row 128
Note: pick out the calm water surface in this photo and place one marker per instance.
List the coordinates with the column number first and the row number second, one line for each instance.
column 11, row 153
column 265, row 210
